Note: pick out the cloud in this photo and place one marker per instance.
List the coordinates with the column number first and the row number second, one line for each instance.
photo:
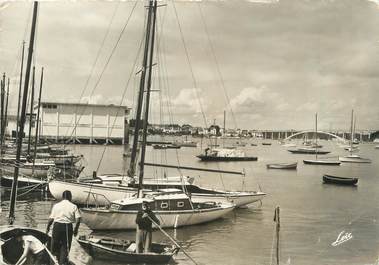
column 189, row 100
column 258, row 100
column 374, row 1
column 4, row 5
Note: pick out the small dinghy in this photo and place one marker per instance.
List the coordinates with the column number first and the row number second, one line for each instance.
column 354, row 159
column 322, row 162
column 11, row 250
column 339, row 180
column 282, row 166
column 124, row 250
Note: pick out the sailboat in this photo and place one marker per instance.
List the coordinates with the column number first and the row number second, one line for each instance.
column 312, row 148
column 107, row 188
column 225, row 154
column 11, row 250
column 318, row 161
column 174, row 207
column 353, row 158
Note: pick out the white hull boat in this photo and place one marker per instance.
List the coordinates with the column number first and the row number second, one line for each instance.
column 41, row 170
column 90, row 193
column 105, row 219
column 102, row 194
column 173, row 210
column 354, row 159
column 282, row 166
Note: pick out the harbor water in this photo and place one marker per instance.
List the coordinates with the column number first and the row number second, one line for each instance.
column 314, row 216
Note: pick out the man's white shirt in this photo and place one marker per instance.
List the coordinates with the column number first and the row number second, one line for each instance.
column 65, row 212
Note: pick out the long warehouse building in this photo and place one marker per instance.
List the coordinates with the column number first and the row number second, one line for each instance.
column 83, row 123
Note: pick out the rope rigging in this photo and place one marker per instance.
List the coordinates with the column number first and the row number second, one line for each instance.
column 222, row 81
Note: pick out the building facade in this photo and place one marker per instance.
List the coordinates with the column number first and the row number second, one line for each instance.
column 83, row 123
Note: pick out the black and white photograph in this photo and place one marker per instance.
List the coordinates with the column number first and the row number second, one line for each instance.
column 189, row 132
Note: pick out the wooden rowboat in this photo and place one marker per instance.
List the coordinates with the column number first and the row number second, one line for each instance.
column 339, row 180
column 11, row 250
column 124, row 250
column 282, row 166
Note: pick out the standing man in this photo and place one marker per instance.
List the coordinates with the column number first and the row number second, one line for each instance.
column 144, row 228
column 63, row 214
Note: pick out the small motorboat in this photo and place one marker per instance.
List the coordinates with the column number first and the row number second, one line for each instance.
column 376, row 146
column 253, row 144
column 265, row 143
column 354, row 159
column 166, row 146
column 324, row 162
column 339, row 180
column 125, row 251
column 282, row 166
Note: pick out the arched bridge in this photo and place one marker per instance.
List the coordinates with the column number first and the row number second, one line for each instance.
column 318, row 132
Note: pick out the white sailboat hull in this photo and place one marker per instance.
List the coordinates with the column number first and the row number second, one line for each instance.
column 104, row 219
column 100, row 194
column 93, row 194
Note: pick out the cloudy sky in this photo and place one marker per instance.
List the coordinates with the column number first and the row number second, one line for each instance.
column 269, row 64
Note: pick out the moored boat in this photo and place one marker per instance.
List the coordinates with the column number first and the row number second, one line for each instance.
column 39, row 169
column 11, row 250
column 325, row 162
column 174, row 210
column 125, row 250
column 103, row 190
column 339, row 180
column 225, row 154
column 308, row 151
column 282, row 166
column 354, row 159
column 166, row 146
column 23, row 181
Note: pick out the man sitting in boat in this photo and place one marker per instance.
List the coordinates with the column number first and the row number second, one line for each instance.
column 144, row 220
column 34, row 251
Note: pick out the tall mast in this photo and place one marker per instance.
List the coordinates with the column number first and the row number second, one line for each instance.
column 351, row 132
column 277, row 221
column 137, row 125
column 2, row 111
column 31, row 110
column 19, row 88
column 147, row 101
column 6, row 108
column 37, row 120
column 23, row 111
column 316, row 137
column 223, row 136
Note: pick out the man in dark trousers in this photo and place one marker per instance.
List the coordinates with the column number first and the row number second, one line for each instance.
column 144, row 227
column 63, row 214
